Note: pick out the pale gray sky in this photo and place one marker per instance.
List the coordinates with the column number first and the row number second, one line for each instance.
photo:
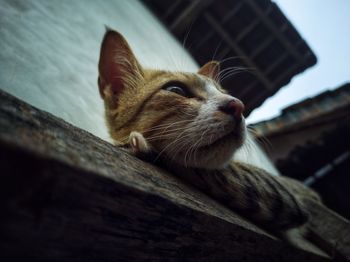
column 325, row 25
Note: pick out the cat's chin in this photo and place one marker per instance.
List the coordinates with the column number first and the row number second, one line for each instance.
column 216, row 155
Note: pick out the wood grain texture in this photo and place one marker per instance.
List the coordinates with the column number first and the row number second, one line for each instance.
column 69, row 196
column 330, row 231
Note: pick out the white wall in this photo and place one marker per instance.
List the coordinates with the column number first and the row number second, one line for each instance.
column 49, row 52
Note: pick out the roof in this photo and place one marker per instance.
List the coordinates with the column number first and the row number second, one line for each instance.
column 327, row 106
column 250, row 34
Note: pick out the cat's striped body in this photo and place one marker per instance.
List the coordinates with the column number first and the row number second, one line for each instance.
column 253, row 193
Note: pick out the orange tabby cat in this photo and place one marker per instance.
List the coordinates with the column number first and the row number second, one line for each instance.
column 193, row 126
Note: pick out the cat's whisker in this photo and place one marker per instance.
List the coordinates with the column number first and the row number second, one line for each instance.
column 166, row 125
column 154, row 137
column 165, row 129
column 229, row 72
column 222, row 61
column 263, row 142
column 181, row 141
column 170, row 132
column 197, row 145
column 167, row 136
column 233, row 74
column 171, row 57
column 187, row 142
column 232, row 58
column 248, row 147
column 170, row 144
column 183, row 59
column 187, row 113
column 200, row 140
column 176, row 150
column 171, row 125
column 163, row 136
column 188, row 151
column 255, row 133
column 187, row 35
column 216, row 50
column 237, row 67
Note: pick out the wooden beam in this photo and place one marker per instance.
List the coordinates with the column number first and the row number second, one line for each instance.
column 247, row 89
column 247, row 30
column 261, row 47
column 332, row 234
column 277, row 34
column 171, row 9
column 275, row 63
column 252, row 25
column 286, row 73
column 69, row 196
column 203, row 40
column 257, row 98
column 221, row 55
column 232, row 12
column 218, row 28
column 188, row 16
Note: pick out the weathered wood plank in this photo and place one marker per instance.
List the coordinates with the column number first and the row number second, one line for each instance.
column 330, row 231
column 69, row 196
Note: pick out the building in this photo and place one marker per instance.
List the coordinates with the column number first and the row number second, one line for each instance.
column 310, row 141
column 252, row 36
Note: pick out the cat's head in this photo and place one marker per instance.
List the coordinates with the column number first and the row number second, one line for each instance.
column 186, row 117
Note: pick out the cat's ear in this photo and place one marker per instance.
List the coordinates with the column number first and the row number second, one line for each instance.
column 210, row 69
column 118, row 67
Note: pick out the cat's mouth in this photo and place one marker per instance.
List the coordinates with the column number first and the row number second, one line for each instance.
column 234, row 135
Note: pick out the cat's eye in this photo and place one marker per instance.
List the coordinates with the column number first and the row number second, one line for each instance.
column 177, row 88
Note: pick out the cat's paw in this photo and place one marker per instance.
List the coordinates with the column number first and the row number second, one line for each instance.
column 140, row 147
column 138, row 143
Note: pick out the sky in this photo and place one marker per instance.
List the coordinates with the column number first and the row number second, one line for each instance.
column 325, row 25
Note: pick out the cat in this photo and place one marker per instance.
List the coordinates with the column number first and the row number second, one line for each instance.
column 188, row 122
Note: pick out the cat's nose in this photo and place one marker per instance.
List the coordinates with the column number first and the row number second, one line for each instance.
column 234, row 107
